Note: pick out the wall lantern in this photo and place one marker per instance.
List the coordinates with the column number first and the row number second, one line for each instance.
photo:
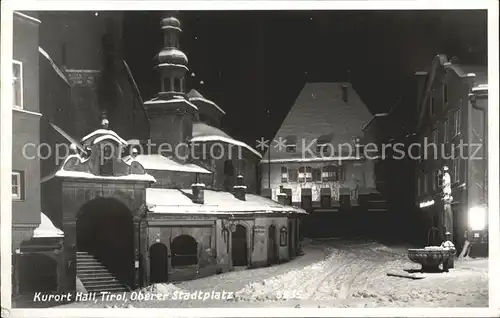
column 283, row 236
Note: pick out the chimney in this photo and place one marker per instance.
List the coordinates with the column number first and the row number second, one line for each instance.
column 267, row 193
column 198, row 191
column 240, row 189
column 281, row 198
column 345, row 93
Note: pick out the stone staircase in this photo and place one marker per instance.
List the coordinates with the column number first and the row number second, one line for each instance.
column 94, row 276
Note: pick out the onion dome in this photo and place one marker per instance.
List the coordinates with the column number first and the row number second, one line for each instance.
column 171, row 22
column 172, row 56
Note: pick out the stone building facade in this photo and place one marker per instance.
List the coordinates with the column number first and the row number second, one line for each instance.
column 452, row 114
column 122, row 213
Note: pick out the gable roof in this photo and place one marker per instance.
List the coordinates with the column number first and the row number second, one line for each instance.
column 318, row 111
column 479, row 74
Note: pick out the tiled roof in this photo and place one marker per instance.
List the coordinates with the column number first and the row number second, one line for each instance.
column 320, row 110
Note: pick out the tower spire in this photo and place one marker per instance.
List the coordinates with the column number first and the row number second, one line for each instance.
column 171, row 62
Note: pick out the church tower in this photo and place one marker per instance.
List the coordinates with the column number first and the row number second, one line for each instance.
column 171, row 114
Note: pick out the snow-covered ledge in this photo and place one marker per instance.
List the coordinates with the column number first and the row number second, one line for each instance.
column 47, row 228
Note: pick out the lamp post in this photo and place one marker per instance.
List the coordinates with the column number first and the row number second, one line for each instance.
column 448, row 199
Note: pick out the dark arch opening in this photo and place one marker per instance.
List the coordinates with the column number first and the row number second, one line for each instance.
column 104, row 229
column 184, row 251
column 239, row 249
column 38, row 273
column 272, row 246
column 158, row 263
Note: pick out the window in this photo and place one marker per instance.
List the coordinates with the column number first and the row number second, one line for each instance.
column 228, row 168
column 292, row 175
column 456, row 122
column 17, row 84
column 184, row 251
column 167, row 84
column 291, row 143
column 17, row 185
column 177, row 85
column 309, row 177
column 316, row 174
column 345, row 92
column 324, row 149
column 456, row 170
column 445, row 93
column 305, row 174
column 284, row 174
column 331, row 173
column 418, row 186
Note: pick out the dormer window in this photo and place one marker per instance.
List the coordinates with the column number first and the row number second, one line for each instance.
column 106, row 164
column 291, row 143
column 345, row 93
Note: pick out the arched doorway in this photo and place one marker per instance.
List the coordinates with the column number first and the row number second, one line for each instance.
column 158, row 263
column 104, row 229
column 184, row 251
column 290, row 239
column 272, row 246
column 239, row 251
column 38, row 273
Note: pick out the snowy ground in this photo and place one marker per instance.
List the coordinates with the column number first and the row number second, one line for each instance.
column 331, row 274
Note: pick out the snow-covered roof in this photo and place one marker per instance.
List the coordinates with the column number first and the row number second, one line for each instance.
column 226, row 140
column 157, row 100
column 54, row 66
column 159, row 162
column 87, row 175
column 47, row 228
column 202, row 129
column 317, row 159
column 318, row 110
column 172, row 64
column 480, row 88
column 175, row 201
column 104, row 132
column 194, row 95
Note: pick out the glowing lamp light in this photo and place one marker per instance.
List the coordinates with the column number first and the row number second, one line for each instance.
column 425, row 204
column 477, row 218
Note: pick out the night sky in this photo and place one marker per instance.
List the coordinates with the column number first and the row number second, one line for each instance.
column 257, row 61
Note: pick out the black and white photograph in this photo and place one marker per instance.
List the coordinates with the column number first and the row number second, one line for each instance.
column 225, row 157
